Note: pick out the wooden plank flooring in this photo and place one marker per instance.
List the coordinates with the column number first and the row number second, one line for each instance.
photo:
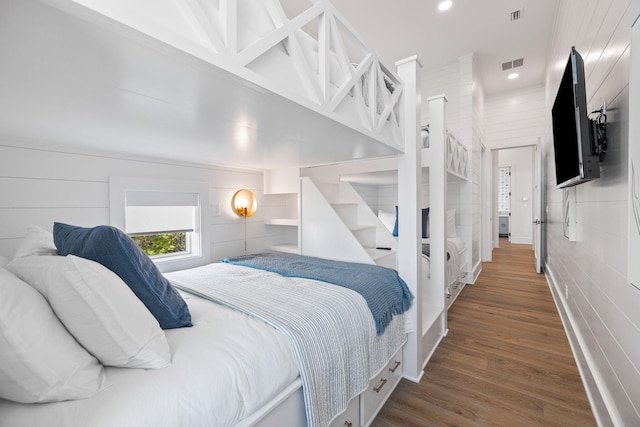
column 506, row 360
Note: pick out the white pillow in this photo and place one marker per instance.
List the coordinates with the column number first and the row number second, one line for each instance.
column 3, row 261
column 388, row 219
column 38, row 241
column 99, row 310
column 451, row 223
column 39, row 360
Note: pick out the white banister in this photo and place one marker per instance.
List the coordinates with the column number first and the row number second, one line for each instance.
column 438, row 194
column 409, row 205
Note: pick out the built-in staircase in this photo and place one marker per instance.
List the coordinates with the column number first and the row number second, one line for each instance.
column 337, row 223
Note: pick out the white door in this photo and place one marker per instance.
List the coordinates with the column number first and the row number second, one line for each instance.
column 538, row 210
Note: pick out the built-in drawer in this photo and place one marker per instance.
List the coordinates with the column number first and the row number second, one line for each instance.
column 380, row 387
column 350, row 417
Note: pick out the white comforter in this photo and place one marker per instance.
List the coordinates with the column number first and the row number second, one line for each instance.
column 331, row 328
column 208, row 384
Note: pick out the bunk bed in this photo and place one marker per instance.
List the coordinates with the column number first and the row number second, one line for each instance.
column 214, row 60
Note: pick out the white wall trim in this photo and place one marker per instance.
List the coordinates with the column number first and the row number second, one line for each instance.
column 602, row 405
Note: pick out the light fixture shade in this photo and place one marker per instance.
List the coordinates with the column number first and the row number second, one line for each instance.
column 244, row 203
column 445, row 5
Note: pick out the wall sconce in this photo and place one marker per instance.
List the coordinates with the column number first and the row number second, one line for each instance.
column 244, row 203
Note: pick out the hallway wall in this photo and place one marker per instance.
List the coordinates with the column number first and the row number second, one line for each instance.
column 589, row 276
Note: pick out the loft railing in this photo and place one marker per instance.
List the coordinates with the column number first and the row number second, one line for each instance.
column 310, row 55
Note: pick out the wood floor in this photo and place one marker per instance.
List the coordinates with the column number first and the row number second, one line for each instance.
column 506, row 360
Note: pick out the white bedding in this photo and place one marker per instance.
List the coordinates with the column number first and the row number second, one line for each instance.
column 455, row 247
column 206, row 385
column 331, row 328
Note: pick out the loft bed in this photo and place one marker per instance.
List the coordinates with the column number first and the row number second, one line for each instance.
column 280, row 85
column 346, row 227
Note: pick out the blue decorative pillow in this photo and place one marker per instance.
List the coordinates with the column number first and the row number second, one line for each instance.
column 425, row 223
column 395, row 226
column 119, row 253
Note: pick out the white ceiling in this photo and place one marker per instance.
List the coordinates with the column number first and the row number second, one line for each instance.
column 397, row 29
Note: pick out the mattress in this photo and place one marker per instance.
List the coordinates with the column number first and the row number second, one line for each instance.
column 207, row 383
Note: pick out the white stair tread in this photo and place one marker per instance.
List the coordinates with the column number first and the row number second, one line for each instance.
column 379, row 253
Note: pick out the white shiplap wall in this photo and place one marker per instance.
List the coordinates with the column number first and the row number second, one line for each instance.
column 515, row 118
column 42, row 184
column 601, row 308
column 443, row 80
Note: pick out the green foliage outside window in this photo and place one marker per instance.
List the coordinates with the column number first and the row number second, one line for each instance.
column 160, row 244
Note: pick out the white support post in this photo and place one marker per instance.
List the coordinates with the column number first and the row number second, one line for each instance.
column 438, row 199
column 409, row 212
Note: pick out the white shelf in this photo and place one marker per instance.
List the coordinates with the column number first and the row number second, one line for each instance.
column 292, row 222
column 285, row 247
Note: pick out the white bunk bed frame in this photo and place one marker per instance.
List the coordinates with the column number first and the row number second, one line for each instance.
column 248, row 47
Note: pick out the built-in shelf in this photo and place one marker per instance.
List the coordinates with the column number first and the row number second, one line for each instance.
column 288, row 248
column 293, row 222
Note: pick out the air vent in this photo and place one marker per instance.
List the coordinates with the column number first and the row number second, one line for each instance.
column 512, row 64
column 516, row 15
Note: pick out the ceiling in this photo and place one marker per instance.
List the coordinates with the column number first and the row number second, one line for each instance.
column 396, row 29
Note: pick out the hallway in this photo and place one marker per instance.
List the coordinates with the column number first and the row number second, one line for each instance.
column 506, row 360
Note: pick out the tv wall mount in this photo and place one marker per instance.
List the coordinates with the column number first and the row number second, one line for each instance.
column 598, row 120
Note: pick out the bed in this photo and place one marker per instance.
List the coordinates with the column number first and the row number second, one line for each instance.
column 456, row 251
column 238, row 364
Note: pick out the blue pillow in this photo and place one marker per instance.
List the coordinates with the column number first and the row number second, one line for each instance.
column 395, row 226
column 119, row 253
column 425, row 223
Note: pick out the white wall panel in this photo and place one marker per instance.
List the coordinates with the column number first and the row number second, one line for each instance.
column 602, row 307
column 40, row 185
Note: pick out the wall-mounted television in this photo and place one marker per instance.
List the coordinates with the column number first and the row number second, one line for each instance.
column 573, row 131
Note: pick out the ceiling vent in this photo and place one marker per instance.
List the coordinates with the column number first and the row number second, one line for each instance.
column 512, row 64
column 516, row 15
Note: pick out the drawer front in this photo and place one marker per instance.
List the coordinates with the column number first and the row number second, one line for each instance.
column 350, row 417
column 380, row 388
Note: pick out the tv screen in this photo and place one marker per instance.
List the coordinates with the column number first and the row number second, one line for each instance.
column 572, row 129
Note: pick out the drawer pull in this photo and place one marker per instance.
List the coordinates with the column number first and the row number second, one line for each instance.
column 348, row 424
column 392, row 370
column 382, row 383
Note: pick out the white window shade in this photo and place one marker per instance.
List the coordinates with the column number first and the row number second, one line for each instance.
column 152, row 212
column 161, row 198
column 159, row 219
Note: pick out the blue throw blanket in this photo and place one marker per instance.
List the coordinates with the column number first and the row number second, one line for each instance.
column 384, row 291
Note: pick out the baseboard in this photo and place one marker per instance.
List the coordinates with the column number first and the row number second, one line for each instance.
column 520, row 240
column 477, row 269
column 601, row 403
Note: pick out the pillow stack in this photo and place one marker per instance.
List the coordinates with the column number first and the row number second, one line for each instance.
column 63, row 317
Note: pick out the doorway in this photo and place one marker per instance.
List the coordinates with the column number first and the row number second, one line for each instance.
column 515, row 185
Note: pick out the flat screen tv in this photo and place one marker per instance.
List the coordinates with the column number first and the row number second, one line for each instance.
column 573, row 131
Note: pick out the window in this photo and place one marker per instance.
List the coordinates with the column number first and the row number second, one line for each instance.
column 164, row 217
column 504, row 190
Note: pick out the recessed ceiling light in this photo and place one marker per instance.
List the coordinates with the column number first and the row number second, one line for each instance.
column 513, row 76
column 445, row 5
